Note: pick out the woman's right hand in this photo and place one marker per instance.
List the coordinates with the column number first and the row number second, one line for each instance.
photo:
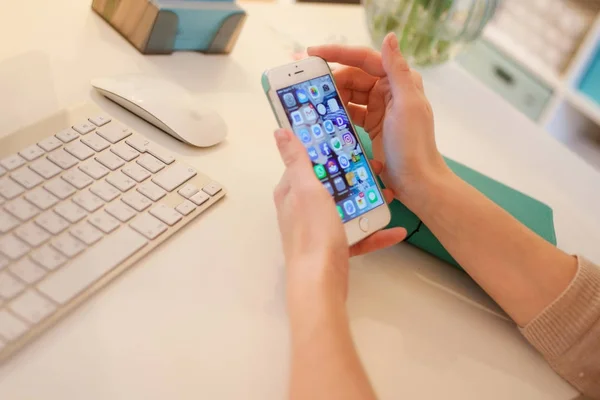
column 385, row 97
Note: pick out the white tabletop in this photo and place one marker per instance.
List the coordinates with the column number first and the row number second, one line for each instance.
column 204, row 317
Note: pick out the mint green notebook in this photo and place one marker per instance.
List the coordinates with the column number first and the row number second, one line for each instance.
column 532, row 213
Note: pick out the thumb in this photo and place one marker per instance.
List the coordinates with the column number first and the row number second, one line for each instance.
column 395, row 66
column 292, row 152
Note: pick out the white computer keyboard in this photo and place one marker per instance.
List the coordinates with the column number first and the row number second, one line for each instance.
column 82, row 197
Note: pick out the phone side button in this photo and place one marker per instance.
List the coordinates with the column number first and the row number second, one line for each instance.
column 363, row 223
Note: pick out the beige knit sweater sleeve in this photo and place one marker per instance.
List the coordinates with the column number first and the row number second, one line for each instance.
column 567, row 333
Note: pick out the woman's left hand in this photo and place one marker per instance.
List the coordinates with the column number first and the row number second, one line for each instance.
column 314, row 241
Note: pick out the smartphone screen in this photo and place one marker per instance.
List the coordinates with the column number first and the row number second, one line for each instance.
column 318, row 118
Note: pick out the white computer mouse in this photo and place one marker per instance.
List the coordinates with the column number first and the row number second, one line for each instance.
column 166, row 106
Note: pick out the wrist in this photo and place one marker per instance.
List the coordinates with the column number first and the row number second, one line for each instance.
column 422, row 191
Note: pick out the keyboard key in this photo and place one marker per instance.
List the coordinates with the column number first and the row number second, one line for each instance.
column 138, row 143
column 10, row 189
column 188, row 191
column 212, row 188
column 59, row 188
column 104, row 222
column 68, row 245
column 41, row 198
column 10, row 326
column 32, row 234
column 47, row 257
column 160, row 154
column 22, row 209
column 136, row 200
column 50, row 143
column 26, row 178
column 148, row 226
column 7, row 221
column 62, row 159
column 125, row 151
column 185, row 208
column 91, row 265
column 84, row 127
column 151, row 191
column 100, row 120
column 45, row 168
column 114, row 132
column 52, row 222
column 172, row 177
column 110, row 160
column 27, row 271
column 4, row 261
column 77, row 178
column 2, row 170
column 79, row 150
column 67, row 135
column 32, row 152
column 94, row 169
column 120, row 181
column 105, row 191
column 9, row 286
column 70, row 211
column 166, row 214
column 120, row 211
column 32, row 307
column 150, row 163
column 88, row 200
column 86, row 233
column 12, row 247
column 95, row 142
column 199, row 198
column 136, row 172
column 12, row 162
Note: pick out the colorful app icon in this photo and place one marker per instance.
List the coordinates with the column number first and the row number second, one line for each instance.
column 304, row 135
column 333, row 105
column 344, row 162
column 327, row 88
column 355, row 157
column 340, row 212
column 328, row 187
column 328, row 125
column 313, row 153
column 289, row 100
column 332, row 167
column 325, row 149
column 348, row 139
column 339, row 121
column 339, row 184
column 320, row 171
column 317, row 131
column 362, row 174
column 314, row 92
column 321, row 109
column 309, row 114
column 372, row 196
column 351, row 178
column 361, row 202
column 349, row 207
column 336, row 145
column 296, row 117
column 301, row 95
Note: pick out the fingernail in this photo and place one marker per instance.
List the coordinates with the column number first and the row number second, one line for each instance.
column 393, row 42
column 281, row 136
column 308, row 49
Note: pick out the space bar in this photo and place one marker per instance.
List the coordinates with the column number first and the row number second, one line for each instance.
column 92, row 264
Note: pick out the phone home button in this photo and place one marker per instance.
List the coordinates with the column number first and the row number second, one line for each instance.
column 363, row 223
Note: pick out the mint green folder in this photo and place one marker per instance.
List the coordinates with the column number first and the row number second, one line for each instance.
column 532, row 213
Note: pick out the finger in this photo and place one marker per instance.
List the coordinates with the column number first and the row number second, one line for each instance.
column 379, row 240
column 364, row 58
column 396, row 67
column 292, row 152
column 388, row 195
column 355, row 83
column 418, row 80
column 354, row 96
column 358, row 113
column 377, row 166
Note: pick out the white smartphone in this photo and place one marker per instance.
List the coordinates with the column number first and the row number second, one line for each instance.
column 305, row 100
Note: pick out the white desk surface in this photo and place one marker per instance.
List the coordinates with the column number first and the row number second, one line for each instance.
column 204, row 317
